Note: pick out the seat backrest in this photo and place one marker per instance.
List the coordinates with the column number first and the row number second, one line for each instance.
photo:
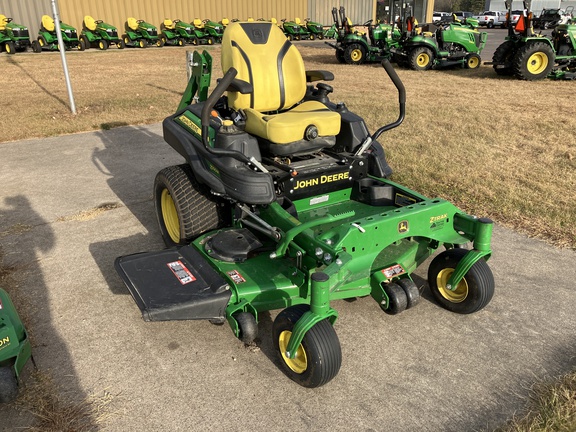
column 168, row 24
column 225, row 21
column 48, row 23
column 198, row 23
column 132, row 23
column 262, row 55
column 3, row 22
column 90, row 23
column 297, row 21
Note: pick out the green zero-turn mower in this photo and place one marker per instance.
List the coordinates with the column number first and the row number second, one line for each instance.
column 355, row 47
column 139, row 33
column 48, row 39
column 97, row 33
column 13, row 37
column 456, row 43
column 15, row 348
column 284, row 202
column 530, row 56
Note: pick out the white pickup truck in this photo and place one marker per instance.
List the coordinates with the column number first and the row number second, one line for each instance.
column 491, row 19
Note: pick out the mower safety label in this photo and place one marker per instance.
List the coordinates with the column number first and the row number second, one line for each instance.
column 181, row 272
column 236, row 277
column 395, row 270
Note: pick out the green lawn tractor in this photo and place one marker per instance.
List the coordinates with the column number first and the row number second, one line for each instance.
column 294, row 30
column 456, row 43
column 201, row 36
column 175, row 32
column 315, row 29
column 15, row 348
column 13, row 37
column 355, row 47
column 284, row 202
column 48, row 39
column 214, row 29
column 97, row 33
column 529, row 56
column 141, row 34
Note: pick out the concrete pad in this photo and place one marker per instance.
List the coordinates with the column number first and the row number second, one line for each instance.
column 423, row 370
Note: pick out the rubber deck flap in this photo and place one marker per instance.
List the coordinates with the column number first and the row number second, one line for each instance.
column 174, row 284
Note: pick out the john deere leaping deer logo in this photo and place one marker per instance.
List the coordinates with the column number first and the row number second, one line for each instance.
column 403, row 226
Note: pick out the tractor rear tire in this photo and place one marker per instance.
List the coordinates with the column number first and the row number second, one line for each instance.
column 84, row 38
column 421, row 59
column 355, row 54
column 340, row 56
column 184, row 208
column 473, row 292
column 10, row 48
column 36, row 47
column 534, row 61
column 504, row 54
column 8, row 385
column 319, row 356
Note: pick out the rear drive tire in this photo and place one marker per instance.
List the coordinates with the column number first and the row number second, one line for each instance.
column 534, row 61
column 503, row 56
column 183, row 208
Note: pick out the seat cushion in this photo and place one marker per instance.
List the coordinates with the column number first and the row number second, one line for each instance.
column 290, row 126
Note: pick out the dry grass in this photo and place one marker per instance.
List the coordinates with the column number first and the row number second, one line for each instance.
column 496, row 147
column 553, row 408
column 89, row 214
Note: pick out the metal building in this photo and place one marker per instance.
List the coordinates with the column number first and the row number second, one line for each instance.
column 116, row 12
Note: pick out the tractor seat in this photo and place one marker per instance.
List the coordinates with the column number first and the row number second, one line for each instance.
column 48, row 23
column 168, row 24
column 297, row 21
column 274, row 110
column 198, row 23
column 3, row 22
column 132, row 23
column 225, row 22
column 90, row 23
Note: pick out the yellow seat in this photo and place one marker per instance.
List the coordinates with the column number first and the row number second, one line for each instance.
column 132, row 23
column 48, row 23
column 225, row 22
column 198, row 23
column 3, row 22
column 90, row 23
column 297, row 21
column 262, row 55
column 168, row 24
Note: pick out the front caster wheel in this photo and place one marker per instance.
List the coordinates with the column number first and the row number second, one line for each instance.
column 318, row 358
column 248, row 327
column 397, row 299
column 474, row 291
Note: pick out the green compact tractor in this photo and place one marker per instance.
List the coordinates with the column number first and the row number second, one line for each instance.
column 284, row 202
column 15, row 348
column 97, row 33
column 139, row 33
column 456, row 43
column 315, row 29
column 355, row 47
column 48, row 39
column 13, row 37
column 530, row 56
column 295, row 30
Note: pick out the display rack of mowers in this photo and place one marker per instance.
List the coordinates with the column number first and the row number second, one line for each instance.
column 175, row 32
column 315, row 29
column 98, row 34
column 294, row 30
column 13, row 37
column 15, row 348
column 355, row 47
column 285, row 202
column 141, row 34
column 48, row 39
column 529, row 56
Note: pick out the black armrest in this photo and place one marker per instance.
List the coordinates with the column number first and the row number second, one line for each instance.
column 319, row 75
column 239, row 85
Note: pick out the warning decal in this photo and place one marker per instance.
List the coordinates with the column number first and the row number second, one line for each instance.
column 181, row 272
column 236, row 277
column 395, row 270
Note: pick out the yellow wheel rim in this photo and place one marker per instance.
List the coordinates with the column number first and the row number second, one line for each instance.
column 537, row 63
column 41, row 42
column 101, row 45
column 356, row 54
column 299, row 363
column 142, row 43
column 473, row 62
column 423, row 59
column 8, row 50
column 170, row 216
column 454, row 296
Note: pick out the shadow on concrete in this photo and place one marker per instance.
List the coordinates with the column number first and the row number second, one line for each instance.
column 24, row 237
